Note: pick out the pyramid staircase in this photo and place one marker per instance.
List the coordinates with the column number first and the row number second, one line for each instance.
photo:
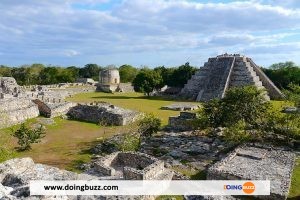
column 224, row 72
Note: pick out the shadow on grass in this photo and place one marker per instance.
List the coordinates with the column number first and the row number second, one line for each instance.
column 84, row 121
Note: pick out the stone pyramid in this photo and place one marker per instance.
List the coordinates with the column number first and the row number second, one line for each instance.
column 223, row 72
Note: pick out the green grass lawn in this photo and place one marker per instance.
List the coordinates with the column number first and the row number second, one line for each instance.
column 67, row 142
column 295, row 185
column 135, row 101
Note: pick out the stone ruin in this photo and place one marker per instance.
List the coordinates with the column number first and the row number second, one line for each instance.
column 89, row 81
column 14, row 106
column 109, row 81
column 258, row 162
column 183, row 122
column 181, row 106
column 9, row 86
column 19, row 103
column 16, row 110
column 131, row 166
column 51, row 110
column 16, row 174
column 103, row 113
column 224, row 72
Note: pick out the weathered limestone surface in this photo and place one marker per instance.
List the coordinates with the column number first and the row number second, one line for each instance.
column 8, row 85
column 19, row 103
column 103, row 113
column 16, row 174
column 53, row 109
column 109, row 81
column 257, row 162
column 223, row 72
column 131, row 166
column 183, row 122
column 86, row 81
column 16, row 110
column 181, row 106
column 125, row 87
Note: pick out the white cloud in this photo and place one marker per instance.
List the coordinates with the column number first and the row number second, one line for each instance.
column 71, row 53
column 49, row 30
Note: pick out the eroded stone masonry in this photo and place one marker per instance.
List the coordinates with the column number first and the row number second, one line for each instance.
column 223, row 72
column 103, row 113
column 16, row 174
column 19, row 103
column 258, row 162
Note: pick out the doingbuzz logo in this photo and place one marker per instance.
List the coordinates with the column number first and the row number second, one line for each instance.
column 247, row 188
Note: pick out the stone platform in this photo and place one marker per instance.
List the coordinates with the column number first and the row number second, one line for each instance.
column 258, row 162
column 103, row 114
column 181, row 107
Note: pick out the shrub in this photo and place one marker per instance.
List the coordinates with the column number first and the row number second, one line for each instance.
column 130, row 142
column 27, row 136
column 237, row 133
column 241, row 103
column 246, row 115
column 293, row 94
column 149, row 125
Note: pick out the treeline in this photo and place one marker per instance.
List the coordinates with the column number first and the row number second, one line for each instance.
column 36, row 74
column 39, row 74
column 283, row 74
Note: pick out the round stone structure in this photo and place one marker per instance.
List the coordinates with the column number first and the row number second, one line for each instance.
column 109, row 76
column 109, row 81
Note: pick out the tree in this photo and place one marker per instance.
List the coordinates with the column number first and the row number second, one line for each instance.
column 282, row 74
column 27, row 136
column 5, row 70
column 242, row 112
column 293, row 94
column 21, row 74
column 127, row 73
column 182, row 74
column 90, row 71
column 49, row 75
column 74, row 72
column 34, row 74
column 149, row 125
column 146, row 81
column 244, row 103
column 167, row 75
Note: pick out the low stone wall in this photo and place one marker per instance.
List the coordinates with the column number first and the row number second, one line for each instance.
column 107, row 88
column 16, row 110
column 183, row 122
column 125, row 87
column 103, row 114
column 130, row 166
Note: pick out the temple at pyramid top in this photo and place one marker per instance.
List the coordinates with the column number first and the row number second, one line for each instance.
column 223, row 72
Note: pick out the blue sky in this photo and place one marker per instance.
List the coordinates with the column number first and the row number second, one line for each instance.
column 147, row 32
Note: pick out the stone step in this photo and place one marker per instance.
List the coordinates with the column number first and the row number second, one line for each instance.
column 243, row 73
column 244, row 78
column 258, row 83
